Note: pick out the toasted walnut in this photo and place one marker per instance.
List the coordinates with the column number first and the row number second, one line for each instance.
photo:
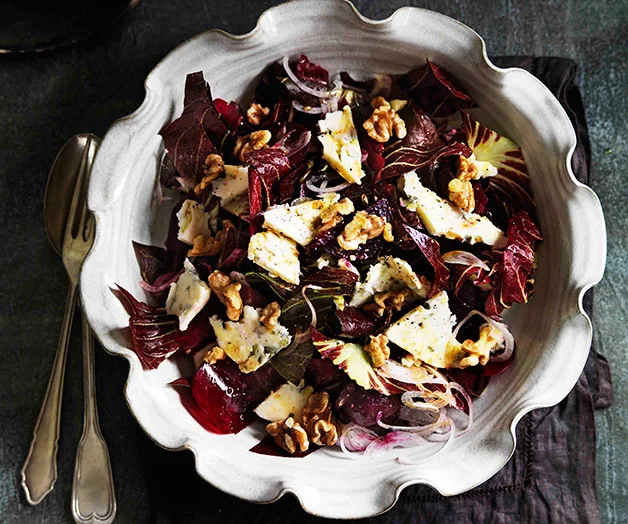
column 332, row 216
column 289, row 435
column 212, row 167
column 393, row 300
column 363, row 227
column 460, row 188
column 317, row 421
column 478, row 352
column 388, row 232
column 378, row 349
column 270, row 315
column 214, row 355
column 251, row 142
column 205, row 246
column 384, row 121
column 228, row 293
column 256, row 113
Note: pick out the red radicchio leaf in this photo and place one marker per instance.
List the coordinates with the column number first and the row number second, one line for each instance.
column 434, row 90
column 198, row 132
column 517, row 265
column 423, row 161
column 431, row 251
column 361, row 86
column 322, row 375
column 151, row 259
column 481, row 200
column 234, row 248
column 161, row 283
column 400, row 216
column 156, row 335
column 229, row 112
column 421, row 131
column 511, row 185
column 374, row 154
column 267, row 167
column 294, row 140
column 176, row 251
column 354, row 323
column 310, row 72
column 250, row 296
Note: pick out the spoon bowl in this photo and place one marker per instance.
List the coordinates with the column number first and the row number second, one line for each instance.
column 62, row 177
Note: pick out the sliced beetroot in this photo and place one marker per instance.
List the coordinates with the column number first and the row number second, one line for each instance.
column 362, row 406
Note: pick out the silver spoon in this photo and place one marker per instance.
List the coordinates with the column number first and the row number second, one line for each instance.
column 93, row 498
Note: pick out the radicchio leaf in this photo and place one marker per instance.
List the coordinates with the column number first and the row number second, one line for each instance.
column 517, row 265
column 156, row 335
column 197, row 133
column 268, row 446
column 292, row 362
column 431, row 251
column 333, row 282
column 407, row 158
column 151, row 259
column 354, row 323
column 230, row 112
column 434, row 90
column 277, row 286
column 267, row 167
column 421, row 131
column 511, row 185
column 311, row 73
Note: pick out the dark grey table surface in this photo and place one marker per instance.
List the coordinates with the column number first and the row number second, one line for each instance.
column 46, row 99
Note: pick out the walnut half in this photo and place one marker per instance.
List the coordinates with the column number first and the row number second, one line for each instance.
column 362, row 228
column 212, row 168
column 317, row 421
column 251, row 142
column 228, row 293
column 270, row 315
column 384, row 121
column 289, row 435
column 378, row 349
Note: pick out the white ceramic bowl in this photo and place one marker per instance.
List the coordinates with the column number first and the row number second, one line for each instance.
column 552, row 332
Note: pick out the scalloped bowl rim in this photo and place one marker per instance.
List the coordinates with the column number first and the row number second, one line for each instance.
column 594, row 274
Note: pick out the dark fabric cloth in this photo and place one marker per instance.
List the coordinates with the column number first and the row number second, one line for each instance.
column 551, row 477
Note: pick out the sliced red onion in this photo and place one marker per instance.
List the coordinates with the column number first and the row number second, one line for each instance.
column 464, row 258
column 355, row 438
column 447, row 437
column 333, row 189
column 419, row 429
column 309, row 110
column 509, row 340
column 319, row 93
column 309, row 302
column 457, row 387
column 407, row 375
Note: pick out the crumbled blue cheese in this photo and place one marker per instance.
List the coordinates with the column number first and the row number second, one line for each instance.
column 187, row 296
column 276, row 254
column 233, row 189
column 248, row 342
column 426, row 332
column 442, row 218
column 388, row 274
column 299, row 221
column 193, row 221
column 287, row 401
column 341, row 148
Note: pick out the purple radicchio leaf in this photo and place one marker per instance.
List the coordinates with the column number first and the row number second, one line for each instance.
column 155, row 335
column 511, row 186
column 311, row 73
column 151, row 260
column 354, row 323
column 362, row 407
column 434, row 90
column 431, row 251
column 514, row 280
column 197, row 133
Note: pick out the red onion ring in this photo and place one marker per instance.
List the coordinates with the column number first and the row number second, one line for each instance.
column 509, row 340
column 464, row 258
column 318, row 93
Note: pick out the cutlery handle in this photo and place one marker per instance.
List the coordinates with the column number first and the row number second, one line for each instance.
column 39, row 472
column 93, row 496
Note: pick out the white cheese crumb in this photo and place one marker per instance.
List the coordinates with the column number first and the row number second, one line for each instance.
column 187, row 296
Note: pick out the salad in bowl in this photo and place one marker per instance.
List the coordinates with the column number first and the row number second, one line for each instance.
column 338, row 260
